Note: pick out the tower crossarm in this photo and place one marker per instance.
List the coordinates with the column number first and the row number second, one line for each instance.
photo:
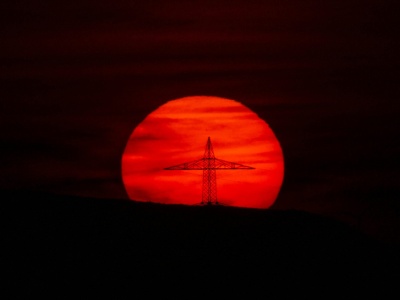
column 228, row 165
column 191, row 165
column 202, row 164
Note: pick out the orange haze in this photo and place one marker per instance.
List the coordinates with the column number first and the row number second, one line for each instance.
column 177, row 132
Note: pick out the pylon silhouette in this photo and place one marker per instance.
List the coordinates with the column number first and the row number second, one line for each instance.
column 209, row 164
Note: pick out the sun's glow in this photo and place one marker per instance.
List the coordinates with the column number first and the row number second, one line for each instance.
column 177, row 132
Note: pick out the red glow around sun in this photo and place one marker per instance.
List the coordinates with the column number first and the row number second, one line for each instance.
column 177, row 132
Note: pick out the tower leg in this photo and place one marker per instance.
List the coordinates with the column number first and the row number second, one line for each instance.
column 209, row 186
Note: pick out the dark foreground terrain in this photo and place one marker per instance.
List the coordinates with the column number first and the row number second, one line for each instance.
column 69, row 242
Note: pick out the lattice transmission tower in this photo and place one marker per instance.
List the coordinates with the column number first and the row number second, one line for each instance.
column 209, row 164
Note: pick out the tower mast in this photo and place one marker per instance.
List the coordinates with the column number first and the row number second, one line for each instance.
column 209, row 176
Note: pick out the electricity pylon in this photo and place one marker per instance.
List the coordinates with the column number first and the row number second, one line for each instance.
column 209, row 164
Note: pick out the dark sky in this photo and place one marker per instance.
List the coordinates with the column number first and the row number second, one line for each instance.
column 76, row 78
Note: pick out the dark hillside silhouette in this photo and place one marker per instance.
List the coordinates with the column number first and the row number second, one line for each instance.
column 59, row 238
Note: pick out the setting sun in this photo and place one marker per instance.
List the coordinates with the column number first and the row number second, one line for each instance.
column 177, row 132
